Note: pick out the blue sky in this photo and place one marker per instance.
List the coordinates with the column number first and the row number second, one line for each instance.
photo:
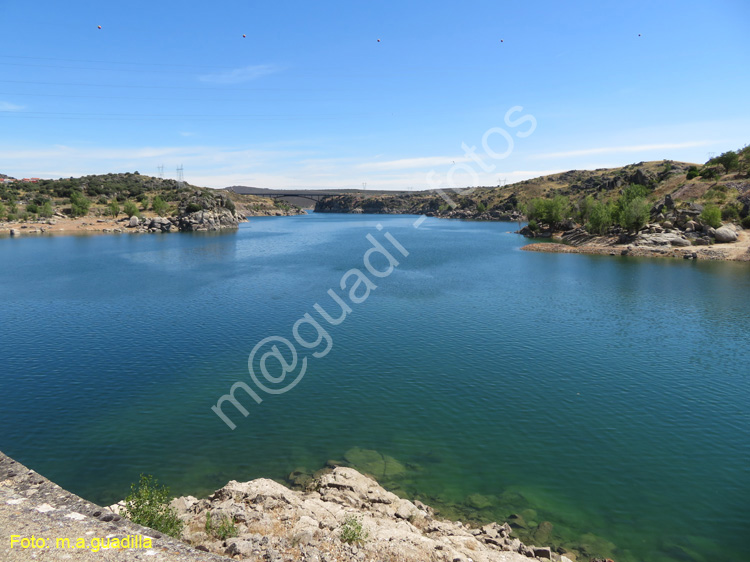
column 310, row 98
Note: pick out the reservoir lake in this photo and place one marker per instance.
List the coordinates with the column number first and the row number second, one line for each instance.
column 609, row 396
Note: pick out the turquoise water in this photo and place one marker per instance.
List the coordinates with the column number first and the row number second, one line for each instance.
column 606, row 395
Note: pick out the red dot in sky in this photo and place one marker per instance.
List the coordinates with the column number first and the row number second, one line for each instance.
column 244, row 35
column 501, row 40
column 99, row 26
column 378, row 40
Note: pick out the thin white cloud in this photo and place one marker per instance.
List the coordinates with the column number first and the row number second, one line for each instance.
column 239, row 75
column 619, row 149
column 408, row 163
column 7, row 106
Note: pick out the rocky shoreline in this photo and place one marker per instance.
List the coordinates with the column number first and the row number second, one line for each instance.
column 256, row 521
column 200, row 212
column 275, row 524
column 205, row 221
column 728, row 243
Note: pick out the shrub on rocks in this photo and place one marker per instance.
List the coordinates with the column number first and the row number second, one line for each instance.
column 148, row 505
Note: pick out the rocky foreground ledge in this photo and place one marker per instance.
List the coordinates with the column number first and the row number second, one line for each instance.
column 275, row 524
column 270, row 523
column 33, row 508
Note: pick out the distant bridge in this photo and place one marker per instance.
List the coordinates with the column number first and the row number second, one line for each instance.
column 313, row 196
column 283, row 194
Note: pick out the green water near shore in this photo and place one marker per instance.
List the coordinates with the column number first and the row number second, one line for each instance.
column 607, row 396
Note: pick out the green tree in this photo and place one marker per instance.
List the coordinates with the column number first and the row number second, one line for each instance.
column 148, row 505
column 730, row 160
column 2, row 211
column 79, row 204
column 46, row 210
column 584, row 209
column 635, row 214
column 710, row 173
column 633, row 191
column 113, row 208
column 711, row 215
column 600, row 218
column 130, row 209
column 549, row 211
column 159, row 206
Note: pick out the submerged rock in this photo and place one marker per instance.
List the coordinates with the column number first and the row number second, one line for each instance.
column 374, row 463
column 479, row 501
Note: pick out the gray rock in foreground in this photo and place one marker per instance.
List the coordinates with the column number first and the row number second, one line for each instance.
column 275, row 523
column 31, row 505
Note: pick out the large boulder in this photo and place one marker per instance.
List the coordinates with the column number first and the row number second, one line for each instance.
column 661, row 239
column 160, row 223
column 725, row 234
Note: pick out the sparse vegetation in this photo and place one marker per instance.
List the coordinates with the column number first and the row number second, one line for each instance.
column 352, row 531
column 79, row 204
column 711, row 215
column 159, row 206
column 113, row 209
column 46, row 210
column 224, row 529
column 148, row 505
column 130, row 209
column 710, row 172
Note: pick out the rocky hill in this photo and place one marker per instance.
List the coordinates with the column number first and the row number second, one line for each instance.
column 719, row 181
column 96, row 203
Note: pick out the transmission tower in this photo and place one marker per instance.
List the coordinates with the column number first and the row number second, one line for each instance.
column 180, row 177
column 161, row 171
